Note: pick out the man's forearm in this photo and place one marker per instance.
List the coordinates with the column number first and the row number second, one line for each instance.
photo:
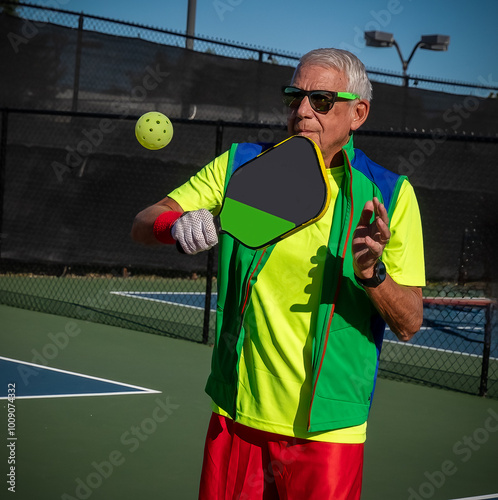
column 142, row 230
column 400, row 306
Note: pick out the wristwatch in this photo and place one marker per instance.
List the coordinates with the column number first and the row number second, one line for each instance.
column 378, row 277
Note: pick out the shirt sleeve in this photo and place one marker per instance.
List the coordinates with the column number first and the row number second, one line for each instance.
column 204, row 189
column 404, row 254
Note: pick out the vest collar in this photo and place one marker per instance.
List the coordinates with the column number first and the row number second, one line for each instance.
column 348, row 151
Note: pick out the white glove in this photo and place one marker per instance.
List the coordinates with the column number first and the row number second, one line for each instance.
column 195, row 231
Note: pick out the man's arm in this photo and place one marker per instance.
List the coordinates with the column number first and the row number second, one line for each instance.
column 142, row 229
column 400, row 306
column 203, row 192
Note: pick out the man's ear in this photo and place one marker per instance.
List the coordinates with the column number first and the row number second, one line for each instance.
column 360, row 114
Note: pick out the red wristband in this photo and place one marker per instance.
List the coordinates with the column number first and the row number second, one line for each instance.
column 163, row 225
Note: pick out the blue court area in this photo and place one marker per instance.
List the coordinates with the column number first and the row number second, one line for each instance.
column 456, row 328
column 30, row 380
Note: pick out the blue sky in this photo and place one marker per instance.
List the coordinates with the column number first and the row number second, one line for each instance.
column 298, row 26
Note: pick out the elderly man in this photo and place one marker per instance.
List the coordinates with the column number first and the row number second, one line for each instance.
column 300, row 324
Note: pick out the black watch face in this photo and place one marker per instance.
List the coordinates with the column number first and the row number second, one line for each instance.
column 381, row 271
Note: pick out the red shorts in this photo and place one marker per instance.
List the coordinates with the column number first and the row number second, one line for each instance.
column 247, row 464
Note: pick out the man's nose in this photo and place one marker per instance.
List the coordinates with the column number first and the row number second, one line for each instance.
column 304, row 110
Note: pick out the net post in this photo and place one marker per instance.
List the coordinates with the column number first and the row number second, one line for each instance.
column 488, row 328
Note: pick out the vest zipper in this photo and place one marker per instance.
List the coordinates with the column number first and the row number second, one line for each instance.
column 241, row 324
column 339, row 281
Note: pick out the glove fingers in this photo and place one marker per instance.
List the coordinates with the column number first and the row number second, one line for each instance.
column 191, row 240
column 182, row 233
column 195, row 231
column 210, row 234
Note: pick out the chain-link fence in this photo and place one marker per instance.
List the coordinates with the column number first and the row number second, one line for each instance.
column 72, row 178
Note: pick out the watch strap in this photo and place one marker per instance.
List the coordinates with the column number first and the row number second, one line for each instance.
column 378, row 277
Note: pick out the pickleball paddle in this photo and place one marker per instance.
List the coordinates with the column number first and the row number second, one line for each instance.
column 277, row 193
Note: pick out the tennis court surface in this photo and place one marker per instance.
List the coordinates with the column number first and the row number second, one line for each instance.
column 144, row 439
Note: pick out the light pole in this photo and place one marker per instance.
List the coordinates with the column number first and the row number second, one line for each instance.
column 189, row 42
column 428, row 42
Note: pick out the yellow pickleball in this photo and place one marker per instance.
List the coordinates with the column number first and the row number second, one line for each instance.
column 154, row 130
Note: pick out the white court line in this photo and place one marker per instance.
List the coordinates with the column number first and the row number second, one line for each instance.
column 140, row 390
column 140, row 295
column 124, row 292
column 477, row 329
column 436, row 349
column 482, row 497
column 79, row 395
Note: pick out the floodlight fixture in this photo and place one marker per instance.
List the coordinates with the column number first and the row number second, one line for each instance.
column 435, row 42
column 428, row 42
column 379, row 39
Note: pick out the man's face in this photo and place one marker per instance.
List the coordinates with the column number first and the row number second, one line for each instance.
column 329, row 131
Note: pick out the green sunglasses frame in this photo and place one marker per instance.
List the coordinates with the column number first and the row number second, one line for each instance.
column 308, row 93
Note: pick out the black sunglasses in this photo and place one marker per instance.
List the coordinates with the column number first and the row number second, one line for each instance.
column 321, row 101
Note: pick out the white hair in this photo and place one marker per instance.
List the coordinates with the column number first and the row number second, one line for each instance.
column 348, row 63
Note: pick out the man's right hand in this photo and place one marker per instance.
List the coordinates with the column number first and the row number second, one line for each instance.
column 195, row 231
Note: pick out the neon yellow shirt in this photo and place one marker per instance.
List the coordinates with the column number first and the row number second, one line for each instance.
column 274, row 380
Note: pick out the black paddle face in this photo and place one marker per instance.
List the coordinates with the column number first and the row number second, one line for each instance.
column 275, row 194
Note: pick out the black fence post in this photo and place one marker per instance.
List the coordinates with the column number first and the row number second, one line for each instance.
column 3, row 167
column 77, row 64
column 210, row 257
column 488, row 328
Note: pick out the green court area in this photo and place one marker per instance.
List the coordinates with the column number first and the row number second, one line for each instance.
column 422, row 442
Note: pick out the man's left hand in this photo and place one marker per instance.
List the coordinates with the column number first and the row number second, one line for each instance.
column 370, row 238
